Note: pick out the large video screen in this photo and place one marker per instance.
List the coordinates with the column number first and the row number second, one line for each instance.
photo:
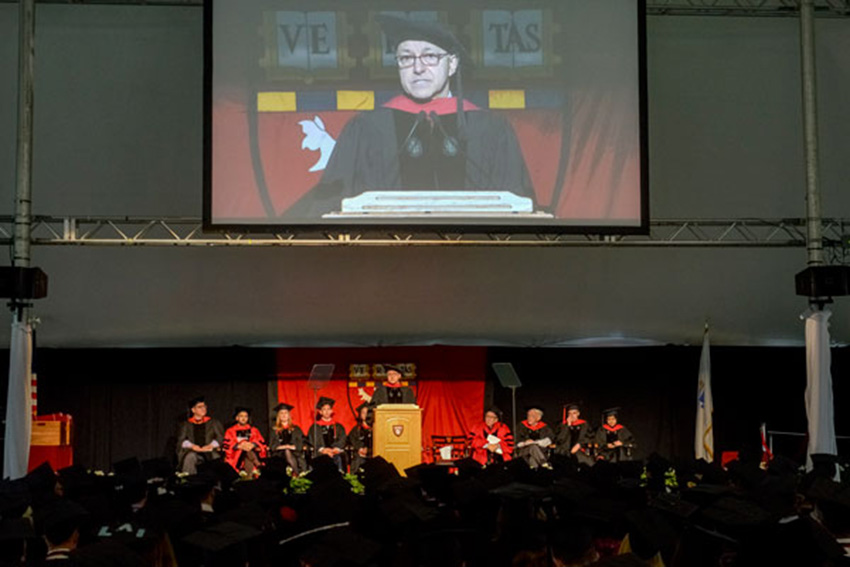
column 507, row 115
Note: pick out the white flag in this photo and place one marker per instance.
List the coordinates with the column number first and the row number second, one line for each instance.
column 16, row 450
column 704, row 439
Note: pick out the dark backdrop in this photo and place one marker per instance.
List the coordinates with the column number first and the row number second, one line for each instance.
column 127, row 402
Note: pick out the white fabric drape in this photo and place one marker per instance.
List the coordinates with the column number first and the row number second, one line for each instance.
column 704, row 438
column 19, row 406
column 819, row 406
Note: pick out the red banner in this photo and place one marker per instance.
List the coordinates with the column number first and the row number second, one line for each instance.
column 448, row 382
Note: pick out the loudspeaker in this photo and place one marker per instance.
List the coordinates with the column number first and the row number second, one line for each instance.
column 22, row 283
column 823, row 281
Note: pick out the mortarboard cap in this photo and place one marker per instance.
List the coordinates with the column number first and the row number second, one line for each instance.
column 611, row 411
column 218, row 537
column 571, row 406
column 41, row 479
column 494, row 410
column 128, row 467
column 282, row 406
column 399, row 29
column 195, row 401
column 220, row 471
column 393, row 368
column 359, row 408
column 324, row 401
column 239, row 409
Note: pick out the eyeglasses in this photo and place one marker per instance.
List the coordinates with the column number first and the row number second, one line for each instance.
column 428, row 59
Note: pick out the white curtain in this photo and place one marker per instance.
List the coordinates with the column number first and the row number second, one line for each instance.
column 16, row 450
column 704, row 438
column 819, row 408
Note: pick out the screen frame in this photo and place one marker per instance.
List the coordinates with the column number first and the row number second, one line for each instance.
column 413, row 226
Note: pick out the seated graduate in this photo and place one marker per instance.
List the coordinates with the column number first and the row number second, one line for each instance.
column 199, row 438
column 614, row 439
column 491, row 441
column 287, row 439
column 244, row 445
column 533, row 439
column 428, row 138
column 326, row 436
column 392, row 391
column 574, row 436
column 360, row 436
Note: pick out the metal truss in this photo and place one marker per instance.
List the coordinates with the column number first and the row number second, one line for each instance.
column 170, row 231
column 834, row 8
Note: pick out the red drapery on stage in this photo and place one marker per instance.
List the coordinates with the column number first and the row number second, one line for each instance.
column 449, row 383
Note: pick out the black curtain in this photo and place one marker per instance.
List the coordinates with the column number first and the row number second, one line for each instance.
column 127, row 402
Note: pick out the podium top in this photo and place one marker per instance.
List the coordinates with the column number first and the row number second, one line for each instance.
column 397, row 406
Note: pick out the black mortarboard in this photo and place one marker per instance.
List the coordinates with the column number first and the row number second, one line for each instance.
column 325, row 401
column 359, row 408
column 15, row 528
column 651, row 533
column 220, row 471
column 393, row 368
column 41, row 478
column 282, row 406
column 239, row 409
column 495, row 410
column 128, row 467
column 218, row 537
column 195, row 401
column 611, row 411
column 571, row 406
column 399, row 29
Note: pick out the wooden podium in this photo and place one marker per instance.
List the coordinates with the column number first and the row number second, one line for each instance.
column 397, row 434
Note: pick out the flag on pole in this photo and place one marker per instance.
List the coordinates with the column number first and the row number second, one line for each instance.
column 16, row 450
column 766, row 453
column 704, row 438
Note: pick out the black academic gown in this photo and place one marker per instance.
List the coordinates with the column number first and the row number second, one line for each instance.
column 359, row 438
column 371, row 155
column 213, row 431
column 290, row 436
column 398, row 395
column 607, row 434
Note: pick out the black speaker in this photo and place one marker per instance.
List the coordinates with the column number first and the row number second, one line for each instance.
column 22, row 283
column 823, row 281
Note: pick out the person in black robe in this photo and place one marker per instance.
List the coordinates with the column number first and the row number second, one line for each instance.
column 360, row 436
column 574, row 437
column 326, row 436
column 287, row 439
column 392, row 391
column 613, row 439
column 424, row 139
column 534, row 438
column 199, row 438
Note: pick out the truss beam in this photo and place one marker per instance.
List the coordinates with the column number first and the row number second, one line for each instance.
column 172, row 231
column 765, row 8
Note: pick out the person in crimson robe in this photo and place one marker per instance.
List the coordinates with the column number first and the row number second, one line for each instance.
column 360, row 436
column 573, row 436
column 534, row 438
column 428, row 138
column 287, row 439
column 326, row 436
column 491, row 441
column 199, row 438
column 613, row 439
column 244, row 445
column 392, row 391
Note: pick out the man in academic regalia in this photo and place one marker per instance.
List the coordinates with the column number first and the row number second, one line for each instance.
column 287, row 439
column 360, row 436
column 491, row 441
column 392, row 391
column 244, row 445
column 573, row 436
column 534, row 438
column 614, row 439
column 326, row 436
column 428, row 138
column 199, row 438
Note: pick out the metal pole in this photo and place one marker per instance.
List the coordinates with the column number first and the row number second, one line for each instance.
column 814, row 237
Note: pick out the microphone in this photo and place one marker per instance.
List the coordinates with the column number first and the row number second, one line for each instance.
column 451, row 147
column 412, row 144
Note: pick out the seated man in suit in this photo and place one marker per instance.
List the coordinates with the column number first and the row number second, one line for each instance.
column 199, row 438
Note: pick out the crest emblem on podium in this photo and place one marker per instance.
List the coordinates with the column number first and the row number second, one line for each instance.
column 398, row 429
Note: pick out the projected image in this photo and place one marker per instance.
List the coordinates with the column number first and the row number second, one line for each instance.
column 515, row 115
